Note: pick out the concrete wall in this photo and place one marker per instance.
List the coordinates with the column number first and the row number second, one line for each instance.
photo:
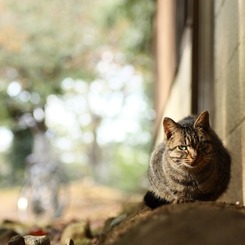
column 229, row 91
column 178, row 104
column 228, row 104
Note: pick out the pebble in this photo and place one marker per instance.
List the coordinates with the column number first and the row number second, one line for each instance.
column 29, row 240
column 17, row 240
column 73, row 231
column 69, row 242
column 36, row 240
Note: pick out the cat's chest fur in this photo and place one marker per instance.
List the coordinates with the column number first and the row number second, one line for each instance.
column 191, row 164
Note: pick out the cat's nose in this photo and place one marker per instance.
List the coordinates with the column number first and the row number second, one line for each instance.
column 193, row 158
column 192, row 154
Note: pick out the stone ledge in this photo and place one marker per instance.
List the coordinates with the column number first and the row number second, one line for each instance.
column 191, row 223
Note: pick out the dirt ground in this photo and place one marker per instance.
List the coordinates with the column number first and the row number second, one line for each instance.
column 87, row 201
column 203, row 223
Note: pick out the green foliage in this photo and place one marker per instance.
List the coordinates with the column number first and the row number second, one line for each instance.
column 136, row 20
column 21, row 148
column 4, row 113
column 45, row 41
column 135, row 17
column 42, row 43
column 128, row 168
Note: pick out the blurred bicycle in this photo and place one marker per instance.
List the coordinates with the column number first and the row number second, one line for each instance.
column 45, row 193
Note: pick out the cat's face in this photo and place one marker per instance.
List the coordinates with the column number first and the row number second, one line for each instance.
column 189, row 144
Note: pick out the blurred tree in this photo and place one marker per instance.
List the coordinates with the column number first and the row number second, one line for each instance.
column 43, row 43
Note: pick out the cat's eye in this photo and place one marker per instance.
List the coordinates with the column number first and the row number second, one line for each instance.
column 182, row 147
column 202, row 144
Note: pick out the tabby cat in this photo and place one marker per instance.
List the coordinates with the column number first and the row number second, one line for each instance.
column 191, row 163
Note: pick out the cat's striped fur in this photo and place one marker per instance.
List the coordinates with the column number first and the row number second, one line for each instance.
column 191, row 164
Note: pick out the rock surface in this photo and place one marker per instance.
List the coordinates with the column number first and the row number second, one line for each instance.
column 17, row 240
column 192, row 223
column 37, row 240
column 29, row 240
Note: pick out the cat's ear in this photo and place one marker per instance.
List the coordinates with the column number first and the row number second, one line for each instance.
column 169, row 127
column 202, row 121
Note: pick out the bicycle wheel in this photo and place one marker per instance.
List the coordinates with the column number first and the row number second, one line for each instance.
column 43, row 202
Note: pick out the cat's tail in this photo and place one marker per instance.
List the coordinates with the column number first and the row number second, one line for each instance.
column 153, row 201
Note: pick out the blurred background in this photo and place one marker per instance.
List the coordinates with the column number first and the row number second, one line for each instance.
column 84, row 72
column 76, row 91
